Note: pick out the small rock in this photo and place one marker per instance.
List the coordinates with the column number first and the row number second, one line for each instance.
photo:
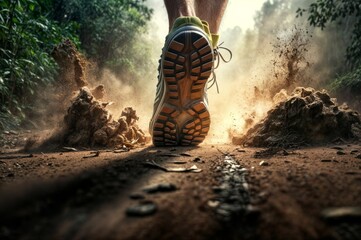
column 213, row 203
column 142, row 209
column 161, row 187
column 231, row 208
column 241, row 150
column 264, row 163
column 341, row 153
column 358, row 156
column 342, row 213
column 223, row 213
column 197, row 159
column 264, row 194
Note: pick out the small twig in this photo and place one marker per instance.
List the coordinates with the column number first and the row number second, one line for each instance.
column 121, row 150
column 223, row 153
column 70, row 149
column 96, row 154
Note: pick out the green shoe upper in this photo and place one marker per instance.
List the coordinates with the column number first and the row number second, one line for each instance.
column 195, row 21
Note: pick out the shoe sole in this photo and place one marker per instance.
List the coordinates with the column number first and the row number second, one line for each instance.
column 184, row 118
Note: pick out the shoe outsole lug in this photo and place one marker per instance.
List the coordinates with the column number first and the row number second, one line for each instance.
column 184, row 118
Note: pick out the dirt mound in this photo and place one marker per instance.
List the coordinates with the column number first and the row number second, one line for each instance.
column 306, row 116
column 88, row 123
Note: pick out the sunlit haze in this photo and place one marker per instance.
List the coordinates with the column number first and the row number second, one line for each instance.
column 241, row 13
column 238, row 13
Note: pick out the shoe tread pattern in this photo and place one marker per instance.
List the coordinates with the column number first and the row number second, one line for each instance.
column 184, row 118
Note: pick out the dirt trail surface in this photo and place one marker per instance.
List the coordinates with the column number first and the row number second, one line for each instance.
column 310, row 193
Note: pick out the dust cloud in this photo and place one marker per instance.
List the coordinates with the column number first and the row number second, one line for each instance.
column 261, row 66
column 279, row 53
column 139, row 95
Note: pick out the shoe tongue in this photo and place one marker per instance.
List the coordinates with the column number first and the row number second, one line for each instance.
column 195, row 21
column 182, row 21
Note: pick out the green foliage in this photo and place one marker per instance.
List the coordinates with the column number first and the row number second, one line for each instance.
column 108, row 32
column 26, row 39
column 108, row 29
column 349, row 83
column 323, row 12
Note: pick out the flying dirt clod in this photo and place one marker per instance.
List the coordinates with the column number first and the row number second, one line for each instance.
column 306, row 116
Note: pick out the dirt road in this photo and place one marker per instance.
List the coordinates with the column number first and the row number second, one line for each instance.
column 239, row 194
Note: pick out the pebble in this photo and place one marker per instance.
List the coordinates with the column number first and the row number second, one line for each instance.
column 341, row 153
column 232, row 193
column 213, row 203
column 142, row 209
column 264, row 163
column 160, row 187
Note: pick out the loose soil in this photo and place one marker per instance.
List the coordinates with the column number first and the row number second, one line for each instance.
column 100, row 187
column 88, row 123
column 81, row 195
column 304, row 117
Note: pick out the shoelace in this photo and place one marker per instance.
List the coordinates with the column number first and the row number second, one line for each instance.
column 218, row 56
